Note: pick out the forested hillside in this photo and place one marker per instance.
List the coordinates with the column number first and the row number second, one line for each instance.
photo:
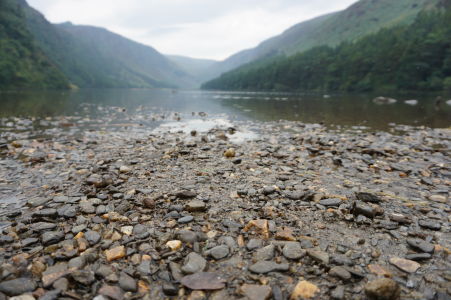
column 362, row 18
column 22, row 63
column 413, row 57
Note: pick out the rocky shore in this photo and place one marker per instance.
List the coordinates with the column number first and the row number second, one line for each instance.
column 299, row 212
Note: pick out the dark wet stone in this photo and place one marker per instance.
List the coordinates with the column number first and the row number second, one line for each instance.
column 17, row 286
column 45, row 213
column 127, row 283
column 360, row 208
column 368, row 197
column 52, row 237
column 185, row 219
column 93, row 237
column 28, row 241
column 83, row 277
column 418, row 256
column 331, row 202
column 185, row 194
column 169, row 289
column 67, row 211
column 42, row 226
column 421, row 245
column 263, row 267
column 429, row 224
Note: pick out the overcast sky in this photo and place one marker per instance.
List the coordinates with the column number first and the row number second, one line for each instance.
column 197, row 28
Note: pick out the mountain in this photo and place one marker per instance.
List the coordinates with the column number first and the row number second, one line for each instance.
column 93, row 57
column 22, row 63
column 362, row 18
column 195, row 67
column 404, row 57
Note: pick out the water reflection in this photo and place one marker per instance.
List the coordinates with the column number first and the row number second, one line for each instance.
column 342, row 110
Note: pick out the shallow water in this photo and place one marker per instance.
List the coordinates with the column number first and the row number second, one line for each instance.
column 337, row 110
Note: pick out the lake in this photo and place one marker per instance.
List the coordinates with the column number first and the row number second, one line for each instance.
column 331, row 110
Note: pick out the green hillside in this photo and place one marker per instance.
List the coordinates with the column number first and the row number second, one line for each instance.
column 94, row 57
column 408, row 57
column 22, row 63
column 362, row 18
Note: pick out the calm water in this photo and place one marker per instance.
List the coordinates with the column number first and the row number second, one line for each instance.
column 343, row 110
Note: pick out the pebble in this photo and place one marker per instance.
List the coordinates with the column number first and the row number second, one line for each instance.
column 382, row 289
column 93, row 237
column 17, row 286
column 52, row 237
column 331, row 202
column 265, row 253
column 256, row 292
column 263, row 267
column 406, row 265
column 429, row 224
column 185, row 219
column 319, row 256
column 420, row 245
column 127, row 283
column 293, row 251
column 304, row 290
column 194, row 263
column 196, row 206
column 115, row 253
column 341, row 273
column 219, row 252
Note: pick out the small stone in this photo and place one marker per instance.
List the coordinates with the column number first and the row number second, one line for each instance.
column 319, row 256
column 194, row 263
column 115, row 253
column 169, row 289
column 185, row 219
column 196, row 206
column 256, row 292
column 30, row 297
column 125, row 169
column 293, row 251
column 368, row 197
column 77, row 262
column 149, row 203
column 93, row 237
column 438, row 198
column 379, row 271
column 338, row 293
column 304, row 290
column 341, row 273
column 17, row 286
column 127, row 230
column 219, row 252
column 331, row 202
column 83, row 277
column 419, row 256
column 112, row 292
column 285, row 235
column 174, row 245
column 260, row 226
column 429, row 224
column 254, row 244
column 229, row 153
column 52, row 237
column 263, row 267
column 382, row 289
column 360, row 208
column 405, row 265
column 265, row 253
column 127, row 283
column 421, row 245
column 45, row 213
column 186, row 194
column 204, row 281
column 187, row 236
